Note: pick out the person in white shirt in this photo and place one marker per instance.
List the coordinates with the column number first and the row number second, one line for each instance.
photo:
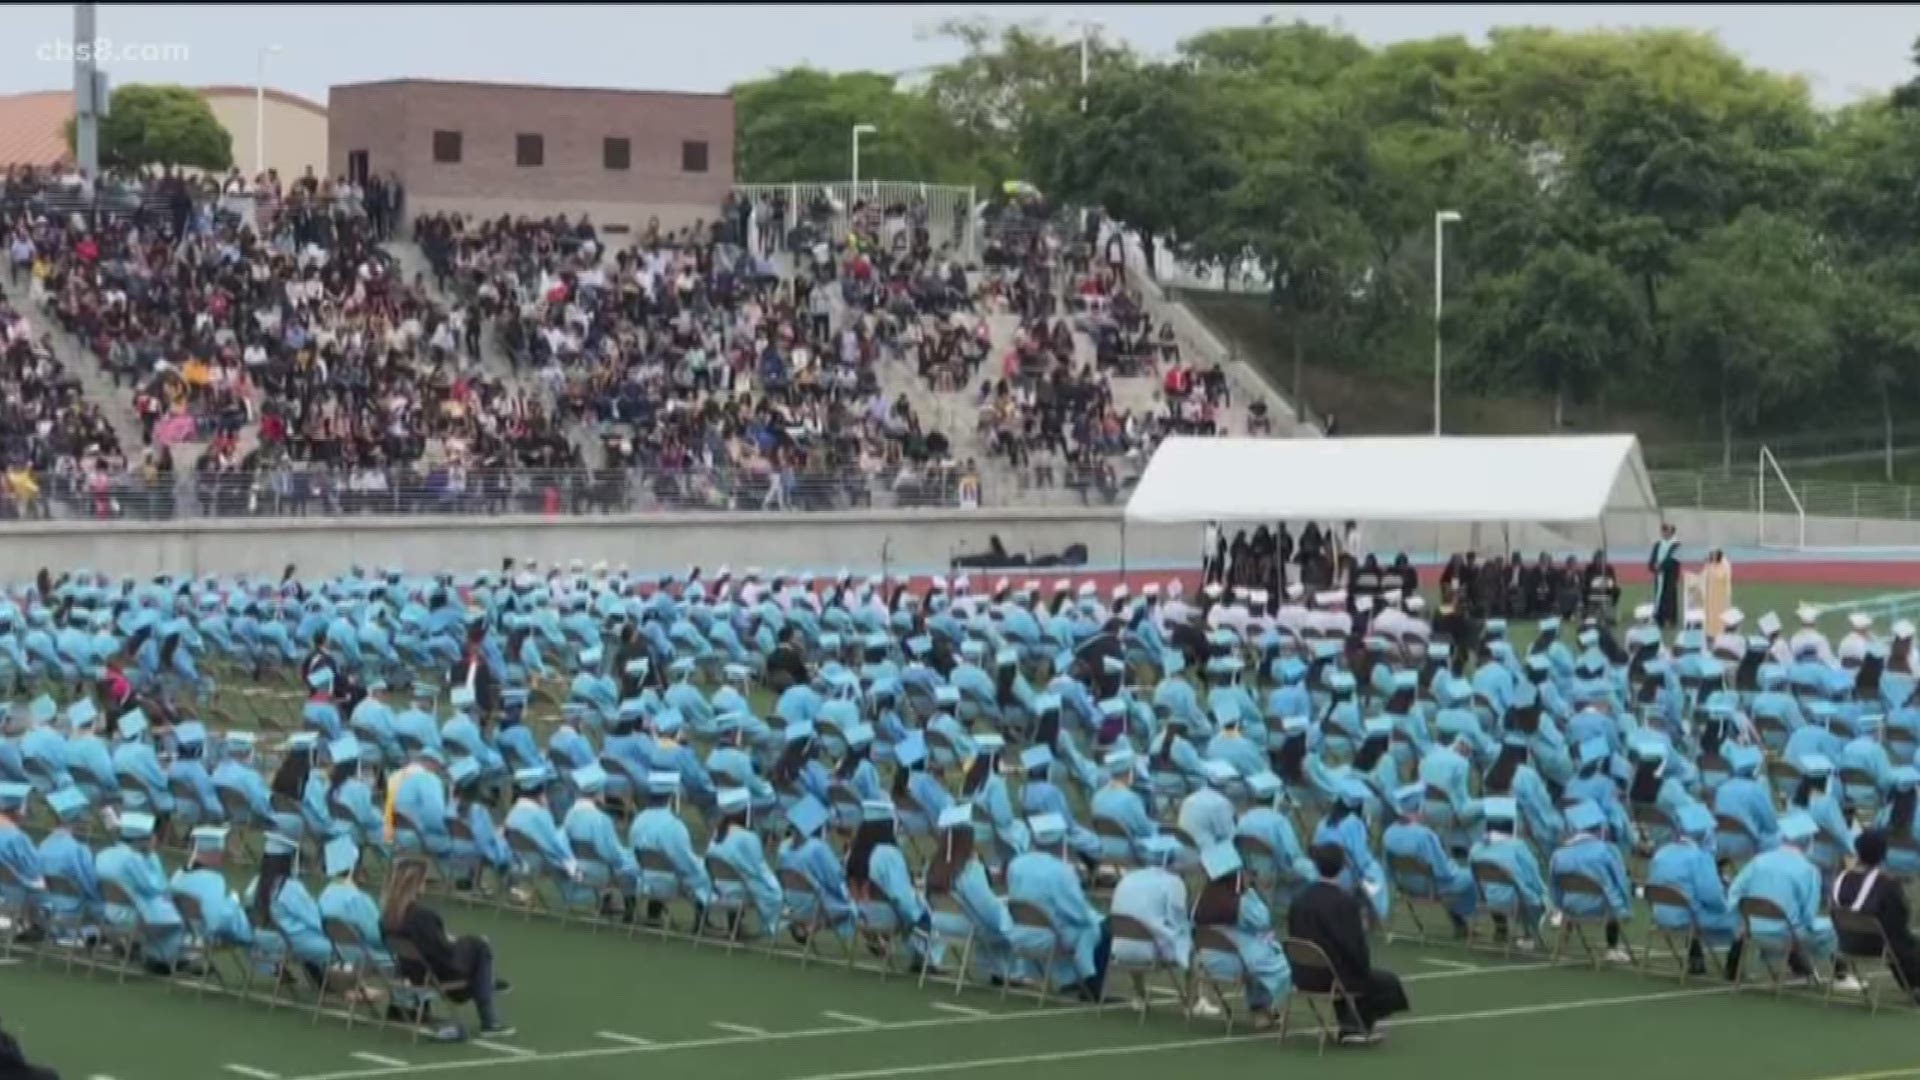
column 1730, row 645
column 1809, row 638
column 1777, row 650
column 1853, row 647
column 1293, row 615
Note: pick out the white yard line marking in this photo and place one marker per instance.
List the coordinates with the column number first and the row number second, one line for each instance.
column 378, row 1059
column 503, row 1048
column 957, row 1010
column 743, row 1029
column 1451, row 965
column 1225, row 1040
column 856, row 1021
column 9, row 961
column 1429, row 976
column 630, row 1040
column 248, row 1070
column 746, row 1039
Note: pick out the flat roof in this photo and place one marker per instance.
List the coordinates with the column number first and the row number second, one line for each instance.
column 478, row 84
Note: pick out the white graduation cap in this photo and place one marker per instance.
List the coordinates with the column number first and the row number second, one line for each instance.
column 1808, row 614
column 1643, row 613
column 1769, row 624
column 1296, row 590
column 1364, row 603
column 1732, row 617
column 1860, row 621
column 1061, row 585
column 1415, row 603
column 1120, row 591
column 1213, row 591
column 1150, row 590
column 1259, row 597
column 1695, row 618
column 1903, row 631
column 1088, row 590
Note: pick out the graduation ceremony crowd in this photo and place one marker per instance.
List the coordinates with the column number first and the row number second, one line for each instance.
column 1028, row 784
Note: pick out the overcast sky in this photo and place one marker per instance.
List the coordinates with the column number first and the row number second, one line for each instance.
column 1844, row 50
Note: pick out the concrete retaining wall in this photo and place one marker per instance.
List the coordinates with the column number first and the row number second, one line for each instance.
column 864, row 541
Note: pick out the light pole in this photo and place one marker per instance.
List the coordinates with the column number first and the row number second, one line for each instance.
column 1441, row 219
column 858, row 130
column 260, row 110
column 1087, row 29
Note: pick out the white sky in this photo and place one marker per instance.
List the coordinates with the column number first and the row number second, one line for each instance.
column 1844, row 50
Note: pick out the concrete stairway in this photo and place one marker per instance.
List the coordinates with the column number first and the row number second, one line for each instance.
column 116, row 403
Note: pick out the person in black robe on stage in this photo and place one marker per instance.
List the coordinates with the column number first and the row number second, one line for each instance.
column 1664, row 564
column 1330, row 917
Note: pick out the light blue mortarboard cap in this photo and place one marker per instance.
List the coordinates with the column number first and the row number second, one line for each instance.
column 956, row 816
column 732, row 800
column 1264, row 786
column 1500, row 809
column 663, row 783
column 875, row 810
column 461, row 697
column 1409, row 798
column 532, row 778
column 1159, row 850
column 1798, row 827
column 1585, row 816
column 1035, row 758
column 1047, row 828
column 463, row 771
column 136, row 825
column 342, row 854
column 1696, row 820
column 1594, row 750
column 807, row 816
column 591, row 780
column 911, row 750
column 1817, row 766
column 68, row 803
column 1219, row 860
column 13, row 796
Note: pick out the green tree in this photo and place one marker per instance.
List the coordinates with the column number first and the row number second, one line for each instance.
column 1749, row 319
column 798, row 126
column 160, row 125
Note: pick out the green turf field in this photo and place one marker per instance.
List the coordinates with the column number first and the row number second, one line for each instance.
column 598, row 1001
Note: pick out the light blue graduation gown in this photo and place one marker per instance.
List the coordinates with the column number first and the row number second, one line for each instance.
column 815, row 861
column 1516, row 857
column 1042, row 797
column 659, row 830
column 741, row 850
column 422, row 797
column 225, row 920
column 534, row 821
column 1600, row 862
column 62, row 854
column 1689, row 868
column 298, row 919
column 1041, row 879
column 1262, row 965
column 1453, row 882
column 1791, row 880
column 344, row 901
column 1158, row 899
column 1124, row 806
column 1294, row 870
column 986, row 913
column 143, row 878
column 1364, row 877
column 242, row 778
column 137, row 761
column 589, row 824
column 1207, row 816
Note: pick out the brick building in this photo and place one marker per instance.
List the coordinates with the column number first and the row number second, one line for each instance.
column 622, row 156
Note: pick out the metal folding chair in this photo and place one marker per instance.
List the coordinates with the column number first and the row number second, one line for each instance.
column 731, row 899
column 947, row 913
column 1870, row 965
column 1568, row 883
column 1771, row 958
column 429, row 989
column 1311, row 967
column 1212, row 941
column 659, row 882
column 1413, row 880
column 1487, row 877
column 1029, row 917
column 1676, row 943
column 1129, row 930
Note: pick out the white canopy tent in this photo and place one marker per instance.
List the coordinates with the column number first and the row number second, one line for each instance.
column 1453, row 480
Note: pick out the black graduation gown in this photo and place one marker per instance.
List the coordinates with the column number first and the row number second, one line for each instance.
column 1664, row 563
column 1329, row 916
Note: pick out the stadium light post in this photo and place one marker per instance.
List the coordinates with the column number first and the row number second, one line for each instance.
column 1088, row 27
column 858, row 130
column 1441, row 219
column 260, row 109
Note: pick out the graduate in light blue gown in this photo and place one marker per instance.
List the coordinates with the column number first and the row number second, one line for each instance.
column 1686, row 865
column 132, row 865
column 1818, row 796
column 737, row 846
column 588, row 825
column 419, row 804
column 1790, row 879
column 343, row 900
column 804, row 852
column 1118, row 803
column 1267, row 822
column 1039, row 795
column 658, row 830
column 1900, row 820
column 1043, row 878
column 223, row 917
column 531, row 819
column 63, row 855
column 88, row 758
column 277, row 899
column 26, row 883
column 985, row 787
column 1502, row 847
column 1587, row 852
column 1154, row 896
column 236, row 773
column 1345, row 827
column 1409, row 837
column 188, row 769
column 1229, row 903
column 135, row 761
column 962, row 898
column 1207, row 815
column 1746, row 798
column 882, row 886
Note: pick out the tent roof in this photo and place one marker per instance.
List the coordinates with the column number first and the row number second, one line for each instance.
column 1562, row 478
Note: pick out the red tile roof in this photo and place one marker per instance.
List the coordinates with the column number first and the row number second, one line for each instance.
column 30, row 127
column 31, row 124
